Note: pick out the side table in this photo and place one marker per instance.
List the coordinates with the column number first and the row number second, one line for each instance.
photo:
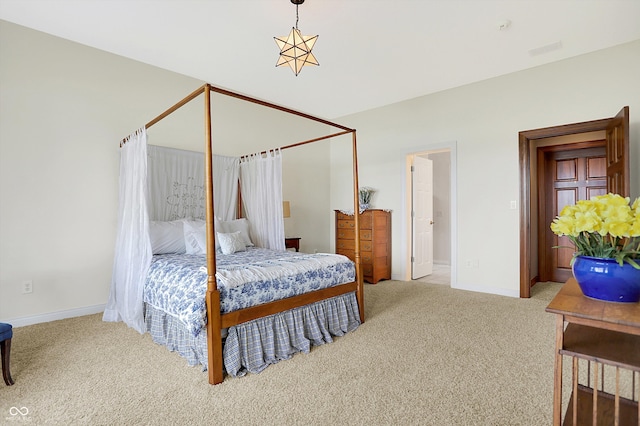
column 292, row 242
column 602, row 334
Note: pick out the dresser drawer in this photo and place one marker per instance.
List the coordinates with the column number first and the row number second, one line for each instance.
column 366, row 221
column 345, row 245
column 365, row 256
column 346, row 234
column 367, row 270
column 346, row 252
column 350, row 233
column 347, row 224
column 351, row 245
column 342, row 216
column 348, row 221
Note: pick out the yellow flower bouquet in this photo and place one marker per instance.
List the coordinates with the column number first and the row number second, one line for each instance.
column 606, row 226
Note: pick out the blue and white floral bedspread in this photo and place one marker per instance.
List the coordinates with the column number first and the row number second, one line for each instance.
column 177, row 283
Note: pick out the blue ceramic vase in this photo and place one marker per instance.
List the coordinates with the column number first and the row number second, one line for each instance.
column 605, row 279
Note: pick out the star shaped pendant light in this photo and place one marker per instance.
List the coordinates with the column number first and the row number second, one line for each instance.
column 295, row 49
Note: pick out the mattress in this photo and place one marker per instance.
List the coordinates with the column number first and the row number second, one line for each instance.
column 177, row 283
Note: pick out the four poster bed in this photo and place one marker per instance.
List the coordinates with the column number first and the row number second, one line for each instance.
column 296, row 300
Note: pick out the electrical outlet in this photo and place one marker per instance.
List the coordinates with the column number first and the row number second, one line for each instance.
column 27, row 287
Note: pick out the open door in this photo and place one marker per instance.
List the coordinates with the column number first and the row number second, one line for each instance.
column 618, row 154
column 422, row 217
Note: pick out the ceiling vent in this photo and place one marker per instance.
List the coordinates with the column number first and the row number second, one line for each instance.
column 546, row 49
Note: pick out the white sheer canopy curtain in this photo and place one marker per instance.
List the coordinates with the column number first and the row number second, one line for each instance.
column 261, row 186
column 225, row 186
column 133, row 247
column 176, row 184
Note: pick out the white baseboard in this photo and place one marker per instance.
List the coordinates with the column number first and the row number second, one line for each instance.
column 54, row 316
column 90, row 310
column 485, row 289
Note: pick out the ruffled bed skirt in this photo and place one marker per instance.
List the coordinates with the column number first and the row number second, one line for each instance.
column 254, row 345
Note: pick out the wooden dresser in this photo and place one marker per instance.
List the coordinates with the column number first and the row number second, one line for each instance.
column 375, row 242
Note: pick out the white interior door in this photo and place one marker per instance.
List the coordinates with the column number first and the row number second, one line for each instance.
column 422, row 217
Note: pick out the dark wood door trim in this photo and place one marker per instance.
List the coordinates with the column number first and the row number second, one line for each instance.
column 525, row 140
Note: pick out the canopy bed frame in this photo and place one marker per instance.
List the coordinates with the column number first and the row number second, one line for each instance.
column 216, row 321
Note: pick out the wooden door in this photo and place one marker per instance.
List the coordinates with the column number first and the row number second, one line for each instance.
column 570, row 175
column 618, row 153
column 422, row 217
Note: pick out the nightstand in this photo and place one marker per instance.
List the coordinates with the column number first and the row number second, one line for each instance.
column 292, row 242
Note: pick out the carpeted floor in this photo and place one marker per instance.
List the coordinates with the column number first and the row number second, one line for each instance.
column 427, row 355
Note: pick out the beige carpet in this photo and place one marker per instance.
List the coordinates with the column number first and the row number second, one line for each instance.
column 427, row 355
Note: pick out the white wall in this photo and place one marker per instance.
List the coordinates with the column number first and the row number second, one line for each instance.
column 484, row 119
column 64, row 108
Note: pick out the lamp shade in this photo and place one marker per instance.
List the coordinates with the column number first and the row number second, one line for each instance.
column 295, row 50
column 286, row 209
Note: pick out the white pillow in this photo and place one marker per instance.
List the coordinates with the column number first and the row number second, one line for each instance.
column 231, row 243
column 217, row 226
column 167, row 237
column 238, row 225
column 195, row 236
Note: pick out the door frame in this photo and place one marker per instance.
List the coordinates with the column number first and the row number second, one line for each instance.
column 527, row 140
column 451, row 147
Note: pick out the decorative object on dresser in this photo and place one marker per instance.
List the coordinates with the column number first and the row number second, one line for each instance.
column 605, row 233
column 364, row 196
column 292, row 242
column 375, row 242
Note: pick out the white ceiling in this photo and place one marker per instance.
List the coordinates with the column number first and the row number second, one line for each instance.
column 371, row 52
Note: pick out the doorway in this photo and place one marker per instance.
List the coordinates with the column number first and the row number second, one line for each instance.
column 441, row 220
column 617, row 175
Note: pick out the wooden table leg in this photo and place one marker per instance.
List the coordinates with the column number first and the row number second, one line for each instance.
column 557, row 372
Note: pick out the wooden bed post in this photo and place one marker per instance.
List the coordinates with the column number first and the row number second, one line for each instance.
column 214, row 367
column 356, row 216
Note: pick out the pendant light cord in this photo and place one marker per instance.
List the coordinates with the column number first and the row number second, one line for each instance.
column 296, row 16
